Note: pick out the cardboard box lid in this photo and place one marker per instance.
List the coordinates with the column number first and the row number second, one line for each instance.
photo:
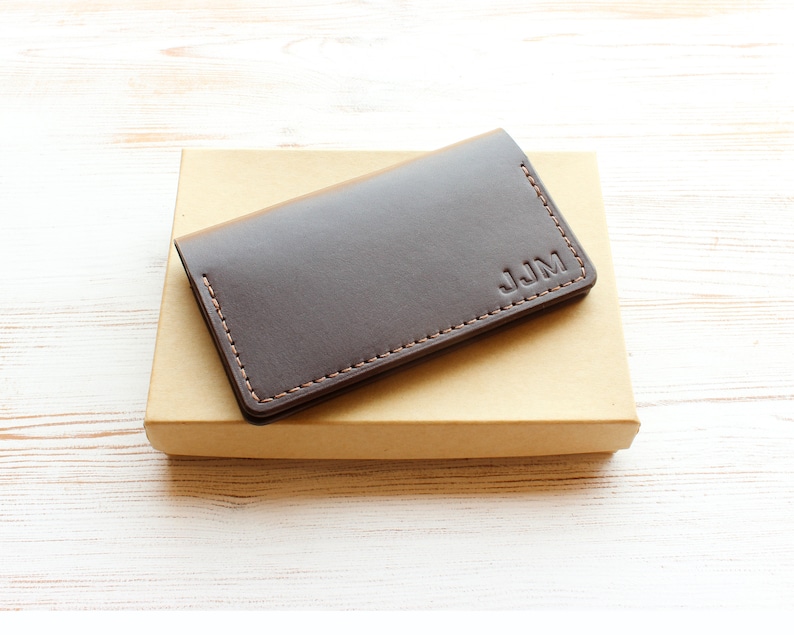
column 499, row 384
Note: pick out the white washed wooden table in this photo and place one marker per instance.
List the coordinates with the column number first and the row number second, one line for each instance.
column 690, row 107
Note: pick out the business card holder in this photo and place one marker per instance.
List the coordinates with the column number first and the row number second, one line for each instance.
column 315, row 295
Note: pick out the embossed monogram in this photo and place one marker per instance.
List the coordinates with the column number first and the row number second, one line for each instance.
column 529, row 273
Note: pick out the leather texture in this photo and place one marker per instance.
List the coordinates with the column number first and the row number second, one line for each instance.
column 317, row 294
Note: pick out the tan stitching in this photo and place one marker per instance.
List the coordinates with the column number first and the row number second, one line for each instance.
column 543, row 200
column 217, row 306
column 445, row 331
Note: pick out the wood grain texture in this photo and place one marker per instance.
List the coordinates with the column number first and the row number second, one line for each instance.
column 690, row 107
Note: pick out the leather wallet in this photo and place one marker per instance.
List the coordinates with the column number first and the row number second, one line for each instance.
column 314, row 295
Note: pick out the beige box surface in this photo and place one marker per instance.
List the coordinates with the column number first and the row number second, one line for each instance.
column 556, row 383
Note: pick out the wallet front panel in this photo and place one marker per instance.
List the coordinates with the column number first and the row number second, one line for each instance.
column 321, row 292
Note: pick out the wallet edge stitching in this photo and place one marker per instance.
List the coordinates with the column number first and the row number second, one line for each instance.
column 545, row 202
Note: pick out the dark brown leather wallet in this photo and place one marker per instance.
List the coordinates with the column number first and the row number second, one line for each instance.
column 317, row 294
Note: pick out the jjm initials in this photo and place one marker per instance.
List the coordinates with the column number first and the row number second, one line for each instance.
column 529, row 273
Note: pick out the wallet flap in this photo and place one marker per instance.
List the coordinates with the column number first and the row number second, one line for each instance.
column 322, row 292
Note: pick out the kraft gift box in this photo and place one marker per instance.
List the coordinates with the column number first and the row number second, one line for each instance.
column 555, row 383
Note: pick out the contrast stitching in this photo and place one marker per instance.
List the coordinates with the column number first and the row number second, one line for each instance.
column 404, row 347
column 217, row 306
column 554, row 218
